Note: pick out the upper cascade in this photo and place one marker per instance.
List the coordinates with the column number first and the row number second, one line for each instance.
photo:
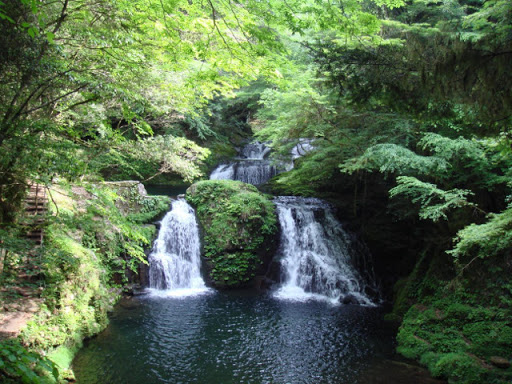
column 255, row 151
column 301, row 148
column 317, row 254
column 251, row 167
column 174, row 263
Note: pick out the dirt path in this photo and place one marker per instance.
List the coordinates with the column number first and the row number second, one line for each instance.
column 17, row 306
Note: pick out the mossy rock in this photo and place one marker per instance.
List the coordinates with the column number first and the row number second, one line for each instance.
column 458, row 325
column 456, row 338
column 239, row 226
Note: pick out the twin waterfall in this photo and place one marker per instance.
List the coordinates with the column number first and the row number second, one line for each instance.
column 315, row 252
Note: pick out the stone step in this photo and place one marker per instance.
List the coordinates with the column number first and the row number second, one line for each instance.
column 36, row 206
column 35, row 202
column 35, row 209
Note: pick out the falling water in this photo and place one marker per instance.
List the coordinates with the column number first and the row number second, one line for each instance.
column 174, row 263
column 302, row 148
column 251, row 167
column 255, row 151
column 316, row 254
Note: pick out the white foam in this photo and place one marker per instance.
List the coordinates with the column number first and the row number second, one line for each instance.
column 315, row 254
column 295, row 293
column 174, row 263
column 179, row 293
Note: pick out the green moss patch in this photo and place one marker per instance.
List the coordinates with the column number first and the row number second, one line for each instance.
column 239, row 224
column 462, row 328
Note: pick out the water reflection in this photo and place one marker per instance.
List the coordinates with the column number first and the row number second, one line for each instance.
column 230, row 338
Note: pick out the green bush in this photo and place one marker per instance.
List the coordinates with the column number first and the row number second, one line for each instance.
column 18, row 365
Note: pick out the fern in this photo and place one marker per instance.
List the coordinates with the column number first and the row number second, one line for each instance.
column 485, row 240
column 392, row 158
column 478, row 162
column 434, row 201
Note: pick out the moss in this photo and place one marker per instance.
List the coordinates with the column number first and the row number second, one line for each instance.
column 62, row 357
column 239, row 226
column 94, row 234
column 220, row 152
column 459, row 321
column 77, row 295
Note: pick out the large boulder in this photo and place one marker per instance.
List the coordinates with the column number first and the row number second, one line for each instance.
column 239, row 227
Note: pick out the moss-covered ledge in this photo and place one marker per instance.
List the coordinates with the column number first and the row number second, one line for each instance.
column 239, row 225
column 94, row 234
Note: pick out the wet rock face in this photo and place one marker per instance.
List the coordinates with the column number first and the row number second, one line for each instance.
column 349, row 299
column 255, row 150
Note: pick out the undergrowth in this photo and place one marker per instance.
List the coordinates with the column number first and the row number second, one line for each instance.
column 95, row 233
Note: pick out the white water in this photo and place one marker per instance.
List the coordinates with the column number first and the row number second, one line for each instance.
column 302, row 148
column 174, row 263
column 316, row 254
column 255, row 151
column 251, row 167
column 223, row 172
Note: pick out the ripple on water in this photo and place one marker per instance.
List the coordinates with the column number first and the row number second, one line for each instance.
column 221, row 338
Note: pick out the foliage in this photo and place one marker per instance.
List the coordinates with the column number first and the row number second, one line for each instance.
column 95, row 233
column 455, row 338
column 485, row 240
column 18, row 365
column 463, row 316
column 298, row 110
column 434, row 202
column 393, row 158
column 89, row 74
column 150, row 157
column 239, row 226
column 109, row 219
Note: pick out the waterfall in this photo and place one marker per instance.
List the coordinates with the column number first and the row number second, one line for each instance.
column 302, row 148
column 174, row 263
column 251, row 167
column 255, row 151
column 316, row 253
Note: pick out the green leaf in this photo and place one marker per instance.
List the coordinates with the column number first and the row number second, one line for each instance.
column 50, row 36
column 32, row 32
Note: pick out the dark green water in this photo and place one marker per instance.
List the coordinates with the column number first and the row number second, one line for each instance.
column 241, row 338
column 165, row 190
